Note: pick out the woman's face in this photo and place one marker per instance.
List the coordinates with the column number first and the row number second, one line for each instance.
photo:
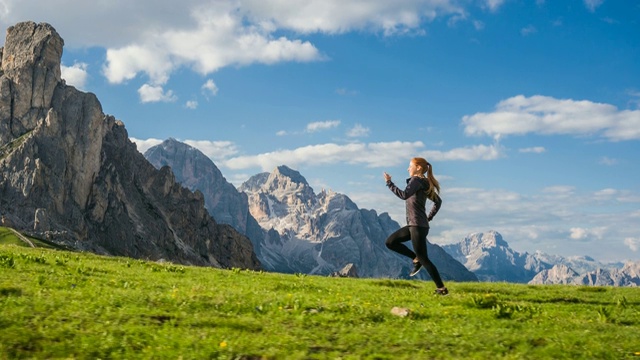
column 414, row 170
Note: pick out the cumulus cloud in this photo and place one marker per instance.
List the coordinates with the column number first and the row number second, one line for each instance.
column 337, row 16
column 144, row 145
column 358, row 131
column 215, row 150
column 592, row 5
column 75, row 75
column 379, row 154
column 322, row 125
column 157, row 37
column 149, row 93
column 346, row 92
column 545, row 115
column 493, row 5
column 605, row 160
column 528, row 30
column 535, row 150
column 191, row 104
column 210, row 87
column 372, row 155
column 632, row 243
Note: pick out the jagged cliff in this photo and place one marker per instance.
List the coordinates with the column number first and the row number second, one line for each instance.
column 69, row 173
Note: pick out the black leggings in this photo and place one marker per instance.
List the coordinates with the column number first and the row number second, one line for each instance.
column 418, row 237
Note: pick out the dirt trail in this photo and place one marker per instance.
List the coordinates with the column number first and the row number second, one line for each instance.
column 22, row 237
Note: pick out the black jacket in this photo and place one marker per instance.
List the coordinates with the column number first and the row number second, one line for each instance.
column 415, row 196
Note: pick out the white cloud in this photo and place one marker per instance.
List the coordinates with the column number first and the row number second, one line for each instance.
column 210, row 87
column 578, row 233
column 191, row 104
column 545, row 115
column 358, row 131
column 468, row 153
column 149, row 93
column 632, row 243
column 282, row 133
column 322, row 125
column 337, row 16
column 379, row 154
column 215, row 150
column 593, row 4
column 346, row 92
column 605, row 160
column 535, row 149
column 144, row 145
column 75, row 75
column 528, row 30
column 157, row 37
column 493, row 5
column 125, row 63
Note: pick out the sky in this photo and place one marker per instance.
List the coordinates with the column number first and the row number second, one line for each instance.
column 528, row 110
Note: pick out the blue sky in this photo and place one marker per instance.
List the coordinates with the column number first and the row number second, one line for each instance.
column 528, row 110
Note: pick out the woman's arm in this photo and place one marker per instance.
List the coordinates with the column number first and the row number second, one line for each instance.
column 412, row 187
column 437, row 202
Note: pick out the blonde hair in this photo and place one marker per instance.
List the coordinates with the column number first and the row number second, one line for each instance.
column 434, row 185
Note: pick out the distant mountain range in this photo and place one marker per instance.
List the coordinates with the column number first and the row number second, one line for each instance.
column 491, row 259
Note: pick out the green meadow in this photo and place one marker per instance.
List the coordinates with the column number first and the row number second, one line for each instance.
column 58, row 304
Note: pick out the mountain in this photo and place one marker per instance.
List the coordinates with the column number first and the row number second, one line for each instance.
column 489, row 257
column 321, row 233
column 225, row 203
column 69, row 174
column 628, row 275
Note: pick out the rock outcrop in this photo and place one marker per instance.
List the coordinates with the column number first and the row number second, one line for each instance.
column 69, row 173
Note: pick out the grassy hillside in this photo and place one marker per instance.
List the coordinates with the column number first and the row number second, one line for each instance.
column 58, row 304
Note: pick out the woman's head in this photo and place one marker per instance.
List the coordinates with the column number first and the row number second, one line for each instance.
column 420, row 165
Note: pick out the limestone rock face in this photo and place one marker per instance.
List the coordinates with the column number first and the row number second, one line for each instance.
column 71, row 172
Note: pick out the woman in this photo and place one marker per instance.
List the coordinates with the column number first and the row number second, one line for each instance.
column 419, row 189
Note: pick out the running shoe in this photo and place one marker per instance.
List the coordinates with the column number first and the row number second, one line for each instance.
column 441, row 291
column 416, row 268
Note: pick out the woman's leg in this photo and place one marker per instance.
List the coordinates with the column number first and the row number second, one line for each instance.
column 395, row 242
column 419, row 241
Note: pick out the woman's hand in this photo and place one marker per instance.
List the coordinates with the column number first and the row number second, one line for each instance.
column 387, row 177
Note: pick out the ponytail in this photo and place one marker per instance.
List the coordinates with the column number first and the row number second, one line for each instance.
column 434, row 185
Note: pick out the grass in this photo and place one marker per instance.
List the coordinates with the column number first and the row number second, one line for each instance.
column 59, row 304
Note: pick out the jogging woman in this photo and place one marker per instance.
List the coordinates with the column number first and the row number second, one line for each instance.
column 419, row 189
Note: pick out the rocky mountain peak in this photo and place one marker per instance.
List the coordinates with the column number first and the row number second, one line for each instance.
column 70, row 174
column 489, row 239
column 30, row 74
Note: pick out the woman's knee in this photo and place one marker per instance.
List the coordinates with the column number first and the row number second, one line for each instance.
column 389, row 243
